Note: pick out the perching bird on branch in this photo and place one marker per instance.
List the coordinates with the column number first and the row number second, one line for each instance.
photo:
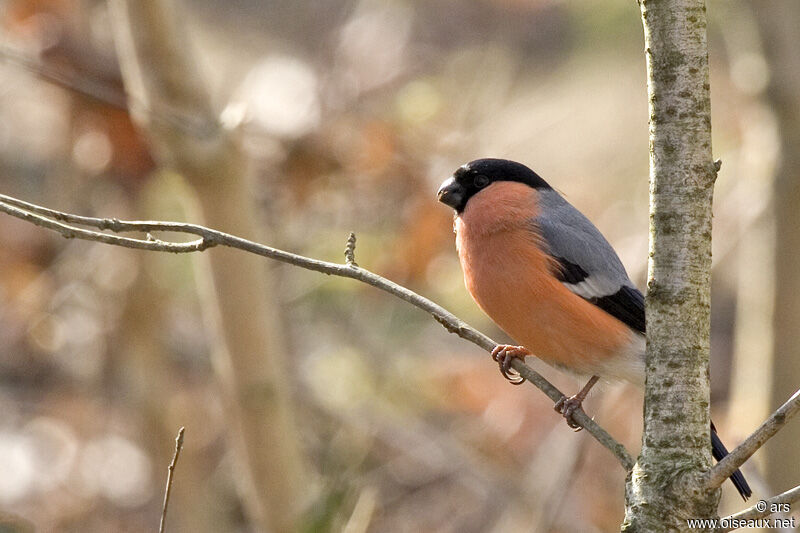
column 547, row 276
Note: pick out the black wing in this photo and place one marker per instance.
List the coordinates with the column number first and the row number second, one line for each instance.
column 626, row 304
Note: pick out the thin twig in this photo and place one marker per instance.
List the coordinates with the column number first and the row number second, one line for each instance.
column 63, row 224
column 101, row 92
column 171, row 471
column 761, row 509
column 88, row 87
column 723, row 469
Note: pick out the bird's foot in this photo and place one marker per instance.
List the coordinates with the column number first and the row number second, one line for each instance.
column 504, row 354
column 567, row 407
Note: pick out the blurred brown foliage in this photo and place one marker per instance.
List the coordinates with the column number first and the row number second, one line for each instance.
column 352, row 111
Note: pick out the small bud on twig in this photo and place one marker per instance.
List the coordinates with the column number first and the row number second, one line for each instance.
column 350, row 251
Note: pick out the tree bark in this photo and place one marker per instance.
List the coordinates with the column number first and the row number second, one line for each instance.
column 663, row 490
column 170, row 101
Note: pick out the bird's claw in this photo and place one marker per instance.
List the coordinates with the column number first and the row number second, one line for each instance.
column 567, row 407
column 504, row 354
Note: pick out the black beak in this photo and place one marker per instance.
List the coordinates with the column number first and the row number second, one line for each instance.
column 451, row 193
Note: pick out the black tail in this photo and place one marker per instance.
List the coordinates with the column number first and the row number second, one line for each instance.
column 718, row 450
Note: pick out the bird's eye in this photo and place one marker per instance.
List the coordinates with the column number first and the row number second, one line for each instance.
column 481, row 181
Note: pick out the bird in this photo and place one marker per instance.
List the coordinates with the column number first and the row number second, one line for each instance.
column 548, row 278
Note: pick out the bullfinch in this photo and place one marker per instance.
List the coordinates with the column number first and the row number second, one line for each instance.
column 547, row 276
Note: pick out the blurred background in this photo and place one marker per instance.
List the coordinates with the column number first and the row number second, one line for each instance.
column 320, row 404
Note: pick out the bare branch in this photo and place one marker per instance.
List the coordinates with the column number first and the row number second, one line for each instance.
column 99, row 91
column 85, row 86
column 363, row 511
column 171, row 471
column 63, row 223
column 72, row 232
column 761, row 509
column 723, row 469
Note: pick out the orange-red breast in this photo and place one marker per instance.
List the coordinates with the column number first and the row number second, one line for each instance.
column 547, row 276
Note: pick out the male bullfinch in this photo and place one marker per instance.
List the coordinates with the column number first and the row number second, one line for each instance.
column 547, row 276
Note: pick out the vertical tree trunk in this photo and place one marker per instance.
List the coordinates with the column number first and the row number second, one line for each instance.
column 169, row 99
column 779, row 21
column 149, row 380
column 662, row 491
column 750, row 399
